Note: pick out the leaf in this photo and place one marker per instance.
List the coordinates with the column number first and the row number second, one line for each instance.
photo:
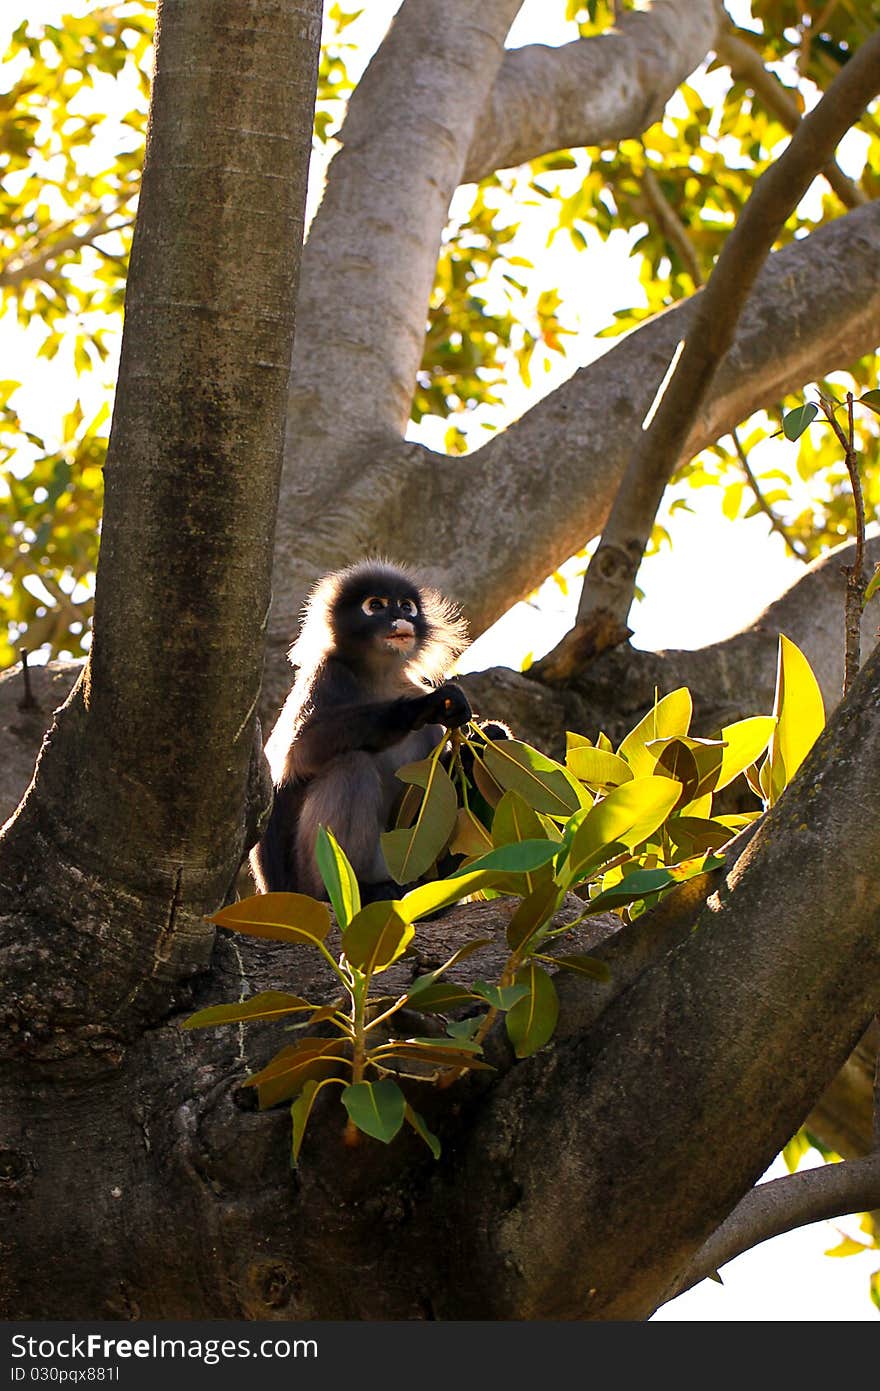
column 515, row 821
column 534, row 912
column 795, row 422
column 531, row 1022
column 439, row 893
column 300, row 1112
column 339, row 878
column 499, row 996
column 418, row 1124
column 800, row 716
column 269, row 1004
column 443, row 1053
column 670, row 716
column 470, row 836
column 311, row 1058
column 410, row 852
column 873, row 585
column 627, row 816
column 437, row 996
column 279, row 916
column 694, row 763
column 488, row 787
column 519, row 858
column 638, row 884
column 871, row 399
column 376, row 1108
column 848, row 1246
column 545, row 784
column 746, row 741
column 589, row 966
column 375, row 937
column 598, row 768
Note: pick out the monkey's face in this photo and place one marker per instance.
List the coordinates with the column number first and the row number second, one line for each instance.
column 380, row 626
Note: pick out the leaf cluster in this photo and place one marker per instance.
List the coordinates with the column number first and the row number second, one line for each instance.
column 615, row 828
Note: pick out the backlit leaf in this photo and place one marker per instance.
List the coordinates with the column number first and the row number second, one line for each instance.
column 800, row 716
column 281, row 917
column 376, row 936
column 418, row 1124
column 339, row 878
column 598, row 768
column 410, row 852
column 670, row 716
column 627, row 816
column 545, row 784
column 269, row 1004
column 310, row 1059
column 795, row 422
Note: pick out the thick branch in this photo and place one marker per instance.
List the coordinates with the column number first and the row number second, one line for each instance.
column 782, row 1204
column 143, row 782
column 610, row 579
column 694, row 1078
column 593, row 91
column 802, row 320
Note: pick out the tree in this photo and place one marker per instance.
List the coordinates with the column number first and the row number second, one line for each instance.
column 598, row 1158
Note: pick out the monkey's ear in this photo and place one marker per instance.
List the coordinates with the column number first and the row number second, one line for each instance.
column 494, row 729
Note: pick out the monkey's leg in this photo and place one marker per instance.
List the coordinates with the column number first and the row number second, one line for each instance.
column 348, row 798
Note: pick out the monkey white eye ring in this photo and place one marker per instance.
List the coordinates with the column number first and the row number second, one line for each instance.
column 374, row 605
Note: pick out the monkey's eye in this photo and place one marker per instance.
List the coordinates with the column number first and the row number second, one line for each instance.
column 408, row 607
column 374, row 604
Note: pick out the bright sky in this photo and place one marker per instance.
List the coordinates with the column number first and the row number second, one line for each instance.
column 740, row 569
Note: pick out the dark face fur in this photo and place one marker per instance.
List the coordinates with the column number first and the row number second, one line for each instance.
column 377, row 616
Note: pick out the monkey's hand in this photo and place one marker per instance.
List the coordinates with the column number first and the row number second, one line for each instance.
column 448, row 705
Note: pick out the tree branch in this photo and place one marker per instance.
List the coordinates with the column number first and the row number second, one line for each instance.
column 745, row 64
column 783, row 1204
column 610, row 579
column 593, row 91
column 802, row 320
column 776, row 525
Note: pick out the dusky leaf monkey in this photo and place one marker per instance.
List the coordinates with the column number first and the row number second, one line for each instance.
column 369, row 696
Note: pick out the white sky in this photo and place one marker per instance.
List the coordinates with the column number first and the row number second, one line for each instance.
column 739, row 568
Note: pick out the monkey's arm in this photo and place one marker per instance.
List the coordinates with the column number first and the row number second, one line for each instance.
column 340, row 729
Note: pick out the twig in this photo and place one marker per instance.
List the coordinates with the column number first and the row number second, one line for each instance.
column 671, row 225
column 609, row 585
column 856, row 582
column 794, row 546
column 781, row 1205
column 28, row 700
column 746, row 64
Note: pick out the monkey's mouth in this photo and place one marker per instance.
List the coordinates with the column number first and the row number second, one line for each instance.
column 402, row 637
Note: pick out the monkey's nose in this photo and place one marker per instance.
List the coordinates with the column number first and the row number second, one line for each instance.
column 402, row 627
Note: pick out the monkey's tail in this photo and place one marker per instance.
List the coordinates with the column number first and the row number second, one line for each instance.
column 273, row 862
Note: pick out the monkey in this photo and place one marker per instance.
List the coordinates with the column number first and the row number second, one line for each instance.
column 369, row 696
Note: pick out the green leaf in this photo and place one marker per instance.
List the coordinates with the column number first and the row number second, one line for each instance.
column 269, row 1004
column 800, row 716
column 516, row 821
column 410, row 852
column 300, row 1112
column 470, row 836
column 598, row 768
column 531, row 1022
column 279, row 916
column 439, row 1053
column 339, row 878
column 520, row 858
column 638, row 884
column 439, row 893
column 873, row 585
column 670, row 716
column 376, row 1108
column 545, row 784
column 375, row 937
column 418, row 1124
column 437, row 996
column 795, row 422
column 627, row 816
column 499, row 996
column 534, row 912
column 582, row 965
column 871, row 399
